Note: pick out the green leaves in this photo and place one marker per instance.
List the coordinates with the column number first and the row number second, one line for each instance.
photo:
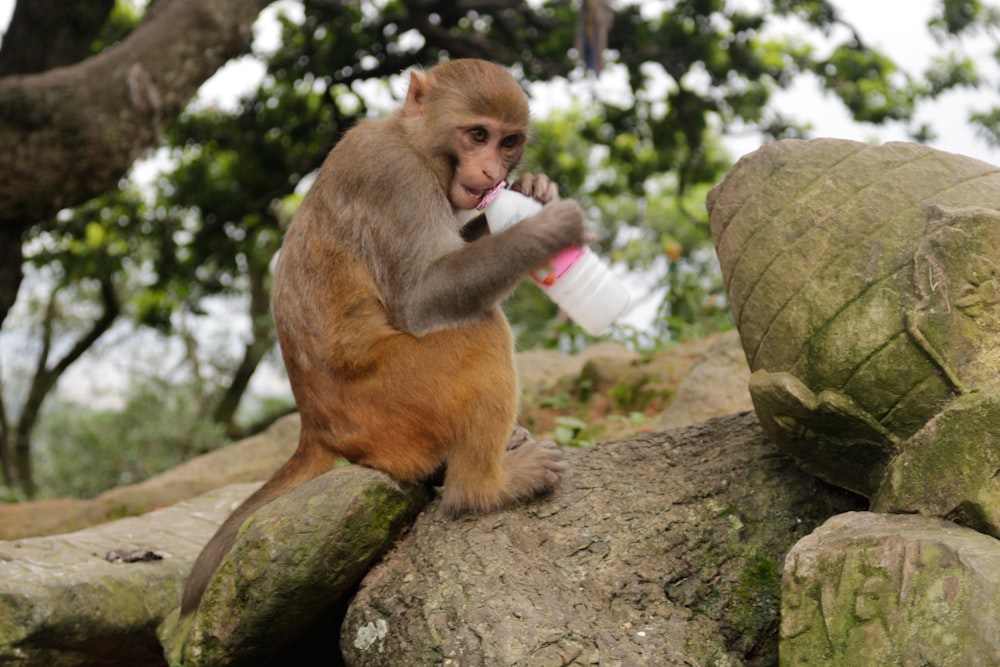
column 867, row 82
column 958, row 17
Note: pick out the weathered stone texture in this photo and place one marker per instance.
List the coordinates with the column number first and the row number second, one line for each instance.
column 865, row 284
column 875, row 589
column 293, row 560
column 659, row 550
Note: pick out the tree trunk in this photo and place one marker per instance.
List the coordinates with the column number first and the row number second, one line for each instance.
column 44, row 381
column 665, row 549
column 70, row 132
column 261, row 340
column 51, row 33
column 11, row 267
column 6, row 441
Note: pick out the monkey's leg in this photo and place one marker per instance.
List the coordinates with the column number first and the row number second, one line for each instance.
column 518, row 436
column 486, row 471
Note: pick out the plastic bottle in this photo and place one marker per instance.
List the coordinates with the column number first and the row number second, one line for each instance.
column 576, row 279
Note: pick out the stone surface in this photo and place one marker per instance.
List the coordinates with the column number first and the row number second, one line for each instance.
column 293, row 559
column 661, row 550
column 951, row 466
column 63, row 602
column 97, row 596
column 864, row 284
column 873, row 589
column 717, row 384
column 249, row 460
column 540, row 371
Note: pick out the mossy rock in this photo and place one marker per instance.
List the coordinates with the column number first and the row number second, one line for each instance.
column 864, row 284
column 293, row 560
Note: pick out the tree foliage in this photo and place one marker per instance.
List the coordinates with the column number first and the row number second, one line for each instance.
column 641, row 160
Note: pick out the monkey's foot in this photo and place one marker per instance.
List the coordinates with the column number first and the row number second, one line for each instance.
column 530, row 468
column 533, row 467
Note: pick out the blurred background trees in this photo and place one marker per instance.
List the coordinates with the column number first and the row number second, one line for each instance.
column 168, row 265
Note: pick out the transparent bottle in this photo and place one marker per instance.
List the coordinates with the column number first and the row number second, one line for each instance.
column 575, row 279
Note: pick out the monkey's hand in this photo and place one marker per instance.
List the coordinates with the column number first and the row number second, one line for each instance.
column 560, row 224
column 564, row 219
column 537, row 186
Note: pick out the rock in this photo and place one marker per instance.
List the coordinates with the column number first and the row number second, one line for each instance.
column 65, row 603
column 96, row 597
column 716, row 385
column 949, row 468
column 664, row 549
column 293, row 559
column 659, row 550
column 864, row 284
column 51, row 516
column 872, row 589
column 541, row 371
column 252, row 459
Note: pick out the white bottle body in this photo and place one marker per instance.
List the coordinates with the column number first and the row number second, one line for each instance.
column 576, row 279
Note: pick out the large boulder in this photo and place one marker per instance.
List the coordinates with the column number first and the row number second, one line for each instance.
column 864, row 284
column 293, row 559
column 664, row 549
column 96, row 596
column 716, row 384
column 874, row 589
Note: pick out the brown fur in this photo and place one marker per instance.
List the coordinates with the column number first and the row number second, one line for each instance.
column 397, row 351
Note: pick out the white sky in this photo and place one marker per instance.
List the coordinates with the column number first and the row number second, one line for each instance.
column 899, row 27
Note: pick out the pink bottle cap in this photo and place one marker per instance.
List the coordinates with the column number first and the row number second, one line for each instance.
column 490, row 195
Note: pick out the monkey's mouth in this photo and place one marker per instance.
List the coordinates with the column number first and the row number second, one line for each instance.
column 470, row 196
column 489, row 195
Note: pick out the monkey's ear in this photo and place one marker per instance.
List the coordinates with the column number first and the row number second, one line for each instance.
column 416, row 95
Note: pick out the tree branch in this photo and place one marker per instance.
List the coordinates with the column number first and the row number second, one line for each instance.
column 6, row 441
column 262, row 335
column 70, row 133
column 51, row 33
column 46, row 378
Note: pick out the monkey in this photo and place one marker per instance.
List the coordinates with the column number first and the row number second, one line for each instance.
column 388, row 308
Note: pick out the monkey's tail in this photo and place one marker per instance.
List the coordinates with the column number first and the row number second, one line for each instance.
column 298, row 470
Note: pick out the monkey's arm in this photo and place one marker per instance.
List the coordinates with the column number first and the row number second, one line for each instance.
column 469, row 281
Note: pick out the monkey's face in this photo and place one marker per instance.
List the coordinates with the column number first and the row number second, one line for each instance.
column 484, row 151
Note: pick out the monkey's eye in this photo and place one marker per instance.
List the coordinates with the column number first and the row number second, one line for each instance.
column 511, row 141
column 479, row 134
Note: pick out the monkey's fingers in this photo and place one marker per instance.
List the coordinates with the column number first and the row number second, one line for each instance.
column 537, row 186
column 549, row 458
